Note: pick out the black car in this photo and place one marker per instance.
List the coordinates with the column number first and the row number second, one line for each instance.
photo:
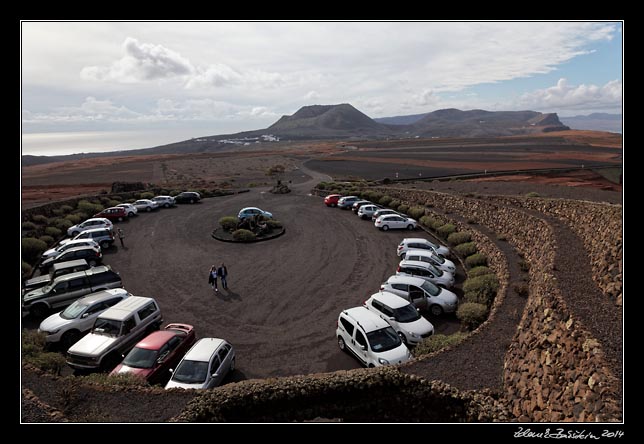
column 92, row 255
column 187, row 197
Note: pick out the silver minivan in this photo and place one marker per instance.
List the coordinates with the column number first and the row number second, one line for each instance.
column 422, row 293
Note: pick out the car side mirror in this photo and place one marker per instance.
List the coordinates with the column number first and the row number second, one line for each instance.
column 171, row 370
column 214, row 375
column 391, row 318
column 362, row 347
column 84, row 315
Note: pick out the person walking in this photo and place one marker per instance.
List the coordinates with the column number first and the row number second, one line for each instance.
column 121, row 236
column 222, row 272
column 212, row 278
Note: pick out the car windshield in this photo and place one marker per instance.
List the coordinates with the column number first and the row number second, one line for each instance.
column 406, row 314
column 191, row 372
column 141, row 358
column 438, row 258
column 74, row 310
column 430, row 288
column 383, row 339
column 107, row 327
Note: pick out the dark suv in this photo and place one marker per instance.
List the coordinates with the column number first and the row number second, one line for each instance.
column 187, row 197
column 92, row 255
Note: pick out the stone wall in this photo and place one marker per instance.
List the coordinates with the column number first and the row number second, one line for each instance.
column 360, row 395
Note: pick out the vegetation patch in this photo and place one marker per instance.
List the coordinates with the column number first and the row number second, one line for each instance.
column 479, row 271
column 481, row 289
column 228, row 223
column 33, row 352
column 466, row 249
column 472, row 314
column 438, row 342
column 416, row 212
column 243, row 235
column 32, row 248
column 476, row 260
column 459, row 238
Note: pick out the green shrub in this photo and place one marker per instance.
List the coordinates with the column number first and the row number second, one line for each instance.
column 416, row 212
column 112, row 202
column 89, row 207
column 66, row 208
column 49, row 362
column 466, row 249
column 62, row 224
column 26, row 269
column 274, row 223
column 57, row 212
column 434, row 222
column 39, row 219
column 475, row 260
column 321, row 186
column 445, row 230
column 479, row 271
column 394, row 204
column 73, row 218
column 532, row 194
column 47, row 239
column 53, row 231
column 119, row 380
column 481, row 289
column 146, row 195
column 375, row 196
column 459, row 238
column 438, row 342
column 228, row 222
column 28, row 226
column 385, row 200
column 32, row 249
column 243, row 235
column 472, row 314
column 403, row 208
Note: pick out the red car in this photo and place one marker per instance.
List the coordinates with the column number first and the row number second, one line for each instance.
column 113, row 213
column 332, row 200
column 154, row 356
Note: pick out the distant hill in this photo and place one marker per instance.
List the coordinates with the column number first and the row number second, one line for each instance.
column 343, row 121
column 596, row 122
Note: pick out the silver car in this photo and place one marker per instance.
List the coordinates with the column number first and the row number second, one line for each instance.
column 81, row 242
column 426, row 271
column 423, row 294
column 204, row 366
column 145, row 205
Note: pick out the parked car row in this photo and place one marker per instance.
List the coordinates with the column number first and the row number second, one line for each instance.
column 383, row 218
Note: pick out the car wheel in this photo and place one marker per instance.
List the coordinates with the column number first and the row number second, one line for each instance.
column 39, row 311
column 385, row 227
column 92, row 263
column 403, row 338
column 333, row 205
column 75, row 233
column 166, row 205
column 341, row 343
column 192, row 201
column 148, row 209
column 436, row 310
column 410, row 227
column 69, row 338
column 371, row 366
column 130, row 214
column 105, row 244
column 232, row 365
column 120, row 219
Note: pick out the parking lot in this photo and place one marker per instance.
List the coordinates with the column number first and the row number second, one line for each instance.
column 284, row 294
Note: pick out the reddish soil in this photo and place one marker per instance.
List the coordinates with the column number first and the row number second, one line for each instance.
column 588, row 179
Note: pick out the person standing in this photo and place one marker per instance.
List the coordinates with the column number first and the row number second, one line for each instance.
column 222, row 272
column 121, row 236
column 212, row 277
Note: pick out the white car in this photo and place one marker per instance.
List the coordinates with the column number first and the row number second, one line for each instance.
column 401, row 315
column 426, row 271
column 366, row 211
column 423, row 294
column 394, row 221
column 95, row 222
column 164, row 201
column 70, row 244
column 130, row 209
column 70, row 325
column 384, row 211
column 430, row 256
column 370, row 339
column 145, row 205
column 418, row 243
column 204, row 366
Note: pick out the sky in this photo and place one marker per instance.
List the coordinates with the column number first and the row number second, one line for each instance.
column 104, row 86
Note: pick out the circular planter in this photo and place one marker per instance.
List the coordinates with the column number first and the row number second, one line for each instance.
column 222, row 235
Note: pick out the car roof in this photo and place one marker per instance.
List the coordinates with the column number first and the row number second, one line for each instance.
column 389, row 299
column 142, row 200
column 93, row 270
column 78, row 241
column 123, row 309
column 419, row 264
column 83, row 247
column 102, row 219
column 420, row 252
column 368, row 320
column 94, row 230
column 113, row 208
column 70, row 264
column 162, row 195
column 203, row 349
column 415, row 239
column 156, row 340
column 250, row 208
column 400, row 279
column 102, row 295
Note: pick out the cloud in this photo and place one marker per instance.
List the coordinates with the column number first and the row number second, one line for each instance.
column 91, row 110
column 312, row 95
column 563, row 96
column 141, row 62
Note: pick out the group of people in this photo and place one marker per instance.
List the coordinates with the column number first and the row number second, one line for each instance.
column 215, row 273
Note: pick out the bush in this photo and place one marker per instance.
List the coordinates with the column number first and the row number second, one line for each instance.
column 33, row 352
column 479, row 271
column 472, row 314
column 26, row 269
column 57, row 212
column 146, row 195
column 434, row 222
column 66, row 208
column 459, row 238
column 228, row 222
column 62, row 224
column 438, row 342
column 47, row 239
column 532, row 194
column 375, row 196
column 481, row 289
column 394, row 204
column 53, row 231
column 445, row 230
column 385, row 200
column 416, row 212
column 119, row 380
column 88, row 207
column 321, row 186
column 403, row 208
column 39, row 219
column 243, row 235
column 466, row 249
column 73, row 218
column 29, row 226
column 32, row 249
column 475, row 259
column 274, row 223
column 112, row 202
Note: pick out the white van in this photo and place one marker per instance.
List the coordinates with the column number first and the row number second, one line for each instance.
column 422, row 293
column 370, row 339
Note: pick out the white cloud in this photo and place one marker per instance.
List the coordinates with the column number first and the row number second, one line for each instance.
column 91, row 110
column 563, row 96
column 312, row 95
